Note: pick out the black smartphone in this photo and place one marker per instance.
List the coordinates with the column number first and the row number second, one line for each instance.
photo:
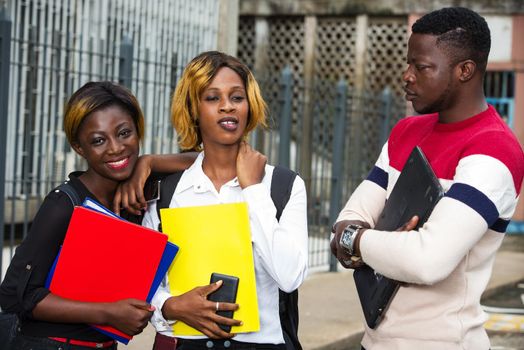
column 152, row 190
column 226, row 293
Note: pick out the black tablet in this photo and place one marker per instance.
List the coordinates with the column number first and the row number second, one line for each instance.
column 416, row 192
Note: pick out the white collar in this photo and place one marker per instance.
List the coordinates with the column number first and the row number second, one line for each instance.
column 195, row 177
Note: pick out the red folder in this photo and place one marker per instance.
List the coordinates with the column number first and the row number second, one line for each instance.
column 105, row 259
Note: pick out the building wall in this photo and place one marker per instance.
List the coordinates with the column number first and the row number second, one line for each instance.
column 372, row 7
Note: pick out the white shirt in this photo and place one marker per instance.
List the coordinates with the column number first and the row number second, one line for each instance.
column 279, row 247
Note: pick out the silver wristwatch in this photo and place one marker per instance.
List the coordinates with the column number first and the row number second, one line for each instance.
column 347, row 240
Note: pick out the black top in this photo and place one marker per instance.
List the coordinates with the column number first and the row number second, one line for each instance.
column 23, row 286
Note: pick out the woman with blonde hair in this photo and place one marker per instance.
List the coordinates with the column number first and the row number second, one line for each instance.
column 216, row 104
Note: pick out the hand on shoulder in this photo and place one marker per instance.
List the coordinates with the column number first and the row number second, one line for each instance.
column 250, row 165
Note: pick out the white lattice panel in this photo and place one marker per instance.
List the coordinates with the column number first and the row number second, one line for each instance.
column 386, row 54
column 335, row 49
column 246, row 40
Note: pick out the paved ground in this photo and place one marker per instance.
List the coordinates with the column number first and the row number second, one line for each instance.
column 330, row 314
column 505, row 325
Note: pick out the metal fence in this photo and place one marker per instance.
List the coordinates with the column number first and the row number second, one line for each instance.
column 339, row 159
column 49, row 48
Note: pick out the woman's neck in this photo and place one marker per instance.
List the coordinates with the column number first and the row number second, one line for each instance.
column 220, row 164
column 102, row 188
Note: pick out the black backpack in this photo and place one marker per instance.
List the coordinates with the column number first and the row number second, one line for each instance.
column 281, row 186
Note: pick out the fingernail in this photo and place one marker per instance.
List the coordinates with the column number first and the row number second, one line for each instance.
column 219, row 283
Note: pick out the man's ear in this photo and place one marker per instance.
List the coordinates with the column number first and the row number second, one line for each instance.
column 78, row 149
column 466, row 70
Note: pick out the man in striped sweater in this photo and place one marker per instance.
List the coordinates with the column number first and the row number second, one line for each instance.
column 447, row 263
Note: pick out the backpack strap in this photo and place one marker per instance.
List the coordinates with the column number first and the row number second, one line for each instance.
column 281, row 186
column 70, row 192
column 167, row 189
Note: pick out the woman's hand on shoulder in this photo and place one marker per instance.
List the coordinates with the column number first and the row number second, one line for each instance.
column 250, row 165
column 129, row 315
column 195, row 310
column 130, row 193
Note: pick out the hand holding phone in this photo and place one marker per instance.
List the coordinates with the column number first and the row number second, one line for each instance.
column 226, row 293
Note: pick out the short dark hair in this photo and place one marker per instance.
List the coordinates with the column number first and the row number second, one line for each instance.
column 463, row 32
column 95, row 96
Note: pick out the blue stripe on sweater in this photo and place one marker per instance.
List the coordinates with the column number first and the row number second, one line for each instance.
column 479, row 202
column 500, row 225
column 378, row 176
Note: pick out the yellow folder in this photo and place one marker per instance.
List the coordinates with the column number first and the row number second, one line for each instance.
column 213, row 238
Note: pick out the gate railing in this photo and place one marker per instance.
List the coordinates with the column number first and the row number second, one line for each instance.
column 333, row 175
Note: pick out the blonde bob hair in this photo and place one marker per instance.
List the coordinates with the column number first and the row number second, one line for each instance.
column 197, row 76
column 98, row 95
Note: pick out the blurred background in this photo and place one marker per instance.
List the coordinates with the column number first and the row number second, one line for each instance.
column 330, row 71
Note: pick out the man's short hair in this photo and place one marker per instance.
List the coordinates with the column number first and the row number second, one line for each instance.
column 460, row 31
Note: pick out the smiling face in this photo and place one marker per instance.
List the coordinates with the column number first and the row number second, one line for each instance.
column 223, row 110
column 429, row 78
column 109, row 142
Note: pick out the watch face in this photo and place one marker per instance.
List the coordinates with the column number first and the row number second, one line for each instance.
column 345, row 240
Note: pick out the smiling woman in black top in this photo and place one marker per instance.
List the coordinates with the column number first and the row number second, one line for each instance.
column 104, row 124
